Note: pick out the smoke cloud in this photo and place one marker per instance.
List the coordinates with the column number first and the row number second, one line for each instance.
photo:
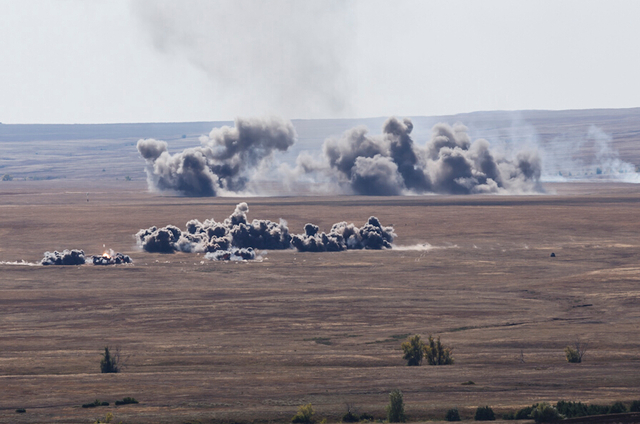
column 223, row 163
column 592, row 155
column 343, row 236
column 111, row 258
column 449, row 163
column 234, row 254
column 236, row 238
column 278, row 56
column 66, row 257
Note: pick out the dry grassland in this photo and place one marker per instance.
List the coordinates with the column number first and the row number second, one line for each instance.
column 251, row 341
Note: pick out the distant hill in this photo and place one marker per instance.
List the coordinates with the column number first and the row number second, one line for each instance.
column 575, row 142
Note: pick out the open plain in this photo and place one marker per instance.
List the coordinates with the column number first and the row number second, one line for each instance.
column 251, row 341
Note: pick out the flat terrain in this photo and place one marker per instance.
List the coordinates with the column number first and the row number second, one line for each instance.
column 251, row 341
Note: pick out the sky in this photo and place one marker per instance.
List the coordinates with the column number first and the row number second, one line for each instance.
column 109, row 61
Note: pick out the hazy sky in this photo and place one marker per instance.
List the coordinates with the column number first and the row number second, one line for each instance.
column 75, row 61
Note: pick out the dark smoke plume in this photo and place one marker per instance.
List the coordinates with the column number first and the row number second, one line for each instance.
column 211, row 236
column 343, row 236
column 392, row 164
column 66, row 257
column 235, row 237
column 111, row 258
column 224, row 162
column 233, row 254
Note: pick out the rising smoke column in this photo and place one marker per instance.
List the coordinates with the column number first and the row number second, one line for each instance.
column 224, row 162
column 449, row 163
column 235, row 238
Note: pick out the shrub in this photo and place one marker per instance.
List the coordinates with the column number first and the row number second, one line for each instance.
column 126, row 401
column 93, row 404
column 107, row 419
column 350, row 417
column 437, row 354
column 525, row 413
column 635, row 406
column 545, row 413
column 484, row 413
column 597, row 409
column 452, row 415
column 572, row 409
column 575, row 353
column 414, row 350
column 395, row 409
column 366, row 417
column 617, row 408
column 109, row 362
column 21, row 410
column 304, row 414
column 509, row 416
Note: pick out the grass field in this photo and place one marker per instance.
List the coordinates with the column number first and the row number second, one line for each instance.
column 207, row 341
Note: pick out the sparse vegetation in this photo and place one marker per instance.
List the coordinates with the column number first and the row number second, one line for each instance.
column 452, row 415
column 484, row 413
column 468, row 383
column 525, row 413
column 414, row 350
column 617, row 408
column 304, row 415
column 545, row 413
column 395, row 409
column 509, row 416
column 364, row 417
column 95, row 404
column 437, row 354
column 576, row 352
column 126, row 401
column 350, row 416
column 110, row 363
column 107, row 419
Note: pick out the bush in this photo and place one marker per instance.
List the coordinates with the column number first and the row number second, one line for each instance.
column 509, row 416
column 575, row 353
column 484, row 413
column 21, row 410
column 126, row 401
column 304, row 414
column 109, row 362
column 395, row 409
column 366, row 417
column 94, row 404
column 414, row 350
column 525, row 413
column 350, row 417
column 617, row 408
column 635, row 406
column 437, row 354
column 452, row 415
column 545, row 413
column 597, row 410
column 572, row 409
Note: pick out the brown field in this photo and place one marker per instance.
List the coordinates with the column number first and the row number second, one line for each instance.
column 251, row 341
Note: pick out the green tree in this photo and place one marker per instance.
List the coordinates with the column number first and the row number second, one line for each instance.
column 437, row 354
column 110, row 362
column 395, row 409
column 413, row 351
